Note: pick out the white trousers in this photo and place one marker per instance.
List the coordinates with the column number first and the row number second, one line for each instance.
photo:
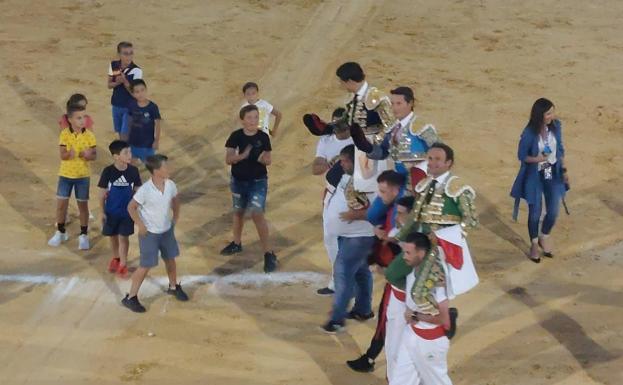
column 421, row 361
column 330, row 240
column 393, row 331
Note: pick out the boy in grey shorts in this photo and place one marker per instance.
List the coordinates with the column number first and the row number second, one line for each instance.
column 150, row 209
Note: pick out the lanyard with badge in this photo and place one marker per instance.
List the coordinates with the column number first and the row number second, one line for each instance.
column 547, row 150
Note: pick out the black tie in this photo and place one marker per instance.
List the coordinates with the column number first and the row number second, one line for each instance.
column 431, row 191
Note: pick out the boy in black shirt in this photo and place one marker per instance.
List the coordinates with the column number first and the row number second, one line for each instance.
column 117, row 184
column 248, row 153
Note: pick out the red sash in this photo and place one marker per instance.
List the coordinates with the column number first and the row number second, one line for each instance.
column 430, row 334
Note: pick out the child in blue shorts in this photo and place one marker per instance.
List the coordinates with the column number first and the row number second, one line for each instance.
column 143, row 123
column 151, row 209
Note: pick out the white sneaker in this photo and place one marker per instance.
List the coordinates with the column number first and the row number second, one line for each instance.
column 58, row 238
column 83, row 242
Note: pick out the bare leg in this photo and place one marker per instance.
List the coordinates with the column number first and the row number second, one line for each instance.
column 114, row 245
column 124, row 245
column 137, row 279
column 171, row 272
column 61, row 210
column 262, row 230
column 83, row 208
column 238, row 225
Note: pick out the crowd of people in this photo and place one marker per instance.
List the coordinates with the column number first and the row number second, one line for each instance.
column 391, row 205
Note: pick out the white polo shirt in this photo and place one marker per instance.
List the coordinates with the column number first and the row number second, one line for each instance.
column 155, row 205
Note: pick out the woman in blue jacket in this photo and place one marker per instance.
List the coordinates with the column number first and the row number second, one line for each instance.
column 541, row 175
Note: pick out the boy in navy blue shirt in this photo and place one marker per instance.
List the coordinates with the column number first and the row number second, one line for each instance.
column 144, row 123
column 120, row 75
column 117, row 184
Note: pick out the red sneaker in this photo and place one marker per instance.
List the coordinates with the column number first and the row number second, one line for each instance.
column 122, row 271
column 113, row 265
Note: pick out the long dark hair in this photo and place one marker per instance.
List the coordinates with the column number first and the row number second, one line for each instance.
column 539, row 108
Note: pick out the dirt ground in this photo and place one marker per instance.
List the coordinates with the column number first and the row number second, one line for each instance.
column 476, row 67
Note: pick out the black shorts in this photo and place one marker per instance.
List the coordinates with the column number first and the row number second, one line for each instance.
column 114, row 225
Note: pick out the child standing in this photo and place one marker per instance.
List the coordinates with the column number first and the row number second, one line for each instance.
column 77, row 149
column 144, row 123
column 151, row 208
column 76, row 100
column 248, row 152
column 252, row 97
column 117, row 184
column 120, row 73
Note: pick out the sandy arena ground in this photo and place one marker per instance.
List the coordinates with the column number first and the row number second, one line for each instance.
column 476, row 67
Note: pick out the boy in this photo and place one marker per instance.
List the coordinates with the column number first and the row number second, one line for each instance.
column 249, row 152
column 120, row 73
column 77, row 149
column 251, row 93
column 149, row 208
column 117, row 184
column 143, row 124
column 76, row 100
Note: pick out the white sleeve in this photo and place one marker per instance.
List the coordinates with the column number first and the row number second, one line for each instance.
column 268, row 107
column 138, row 73
column 440, row 293
column 139, row 196
column 109, row 69
column 173, row 189
column 320, row 149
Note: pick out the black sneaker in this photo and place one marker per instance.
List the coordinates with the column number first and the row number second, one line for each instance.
column 333, row 327
column 133, row 304
column 178, row 293
column 359, row 317
column 270, row 262
column 325, row 291
column 231, row 249
column 362, row 364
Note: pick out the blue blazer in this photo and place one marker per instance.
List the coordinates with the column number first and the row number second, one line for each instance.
column 528, row 184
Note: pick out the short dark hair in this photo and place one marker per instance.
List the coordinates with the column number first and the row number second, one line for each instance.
column 75, row 99
column 246, row 109
column 154, row 162
column 447, row 149
column 248, row 85
column 420, row 240
column 338, row 112
column 116, row 146
column 137, row 82
column 74, row 108
column 406, row 93
column 392, row 178
column 350, row 71
column 122, row 45
column 406, row 201
column 349, row 151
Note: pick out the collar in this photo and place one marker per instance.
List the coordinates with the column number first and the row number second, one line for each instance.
column 441, row 179
column 404, row 122
column 361, row 92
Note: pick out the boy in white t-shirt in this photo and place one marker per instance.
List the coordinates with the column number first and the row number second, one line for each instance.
column 251, row 92
column 151, row 208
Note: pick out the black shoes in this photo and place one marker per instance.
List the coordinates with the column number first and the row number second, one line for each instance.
column 325, row 291
column 362, row 364
column 178, row 293
column 359, row 317
column 133, row 304
column 231, row 249
column 333, row 327
column 454, row 314
column 270, row 262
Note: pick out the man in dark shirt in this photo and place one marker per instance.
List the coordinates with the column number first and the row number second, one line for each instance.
column 249, row 152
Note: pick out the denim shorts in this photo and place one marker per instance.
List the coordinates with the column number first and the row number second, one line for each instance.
column 120, row 117
column 79, row 185
column 249, row 195
column 142, row 152
column 150, row 244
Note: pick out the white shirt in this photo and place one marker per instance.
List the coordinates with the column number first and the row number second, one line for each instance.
column 155, row 205
column 337, row 204
column 439, row 293
column 265, row 109
column 329, row 146
column 551, row 140
column 361, row 92
column 137, row 72
column 404, row 123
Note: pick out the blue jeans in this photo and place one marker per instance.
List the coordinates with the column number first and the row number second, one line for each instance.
column 352, row 277
column 142, row 153
column 553, row 194
column 249, row 195
column 120, row 117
